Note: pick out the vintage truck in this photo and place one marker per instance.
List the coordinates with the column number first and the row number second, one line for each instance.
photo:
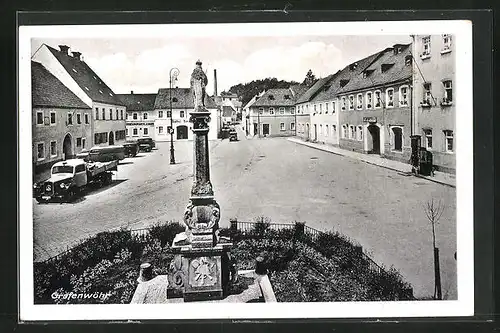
column 70, row 177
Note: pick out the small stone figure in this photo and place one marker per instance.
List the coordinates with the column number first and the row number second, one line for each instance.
column 198, row 83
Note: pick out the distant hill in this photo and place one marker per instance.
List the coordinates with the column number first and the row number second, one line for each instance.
column 248, row 90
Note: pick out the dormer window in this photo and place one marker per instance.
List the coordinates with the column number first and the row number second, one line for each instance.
column 287, row 96
column 408, row 60
column 386, row 67
column 74, row 70
column 100, row 91
column 367, row 73
column 271, row 97
column 343, row 83
column 353, row 66
column 174, row 99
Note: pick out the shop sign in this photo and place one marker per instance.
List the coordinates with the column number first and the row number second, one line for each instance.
column 369, row 119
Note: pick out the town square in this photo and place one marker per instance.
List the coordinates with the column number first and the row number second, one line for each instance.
column 298, row 143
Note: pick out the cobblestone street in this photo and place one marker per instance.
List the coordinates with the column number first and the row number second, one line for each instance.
column 380, row 208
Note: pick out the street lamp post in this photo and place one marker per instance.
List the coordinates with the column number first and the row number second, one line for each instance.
column 174, row 72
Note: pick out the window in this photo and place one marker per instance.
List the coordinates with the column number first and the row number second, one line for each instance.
column 103, row 114
column 426, row 47
column 120, row 135
column 121, row 114
column 127, row 131
column 169, row 114
column 321, row 108
column 344, row 131
column 446, row 43
column 78, row 118
column 53, row 118
column 39, row 117
column 360, row 133
column 160, row 114
column 344, row 104
column 292, row 126
column 134, row 116
column 271, row 110
column 80, row 168
column 282, row 110
column 53, row 148
column 427, row 138
column 96, row 113
column 351, row 102
column 448, row 140
column 320, row 129
column 83, row 142
column 369, row 100
column 87, row 118
column 282, row 126
column 352, row 132
column 70, row 118
column 427, row 94
column 182, row 114
column 334, row 130
column 359, row 104
column 326, row 130
column 134, row 131
column 145, row 131
column 160, row 129
column 403, row 96
column 314, row 108
column 110, row 114
column 389, row 98
column 448, row 92
column 378, row 99
column 333, row 107
column 78, row 142
column 326, row 108
column 145, row 116
column 261, row 110
column 397, row 138
column 292, row 110
column 40, row 151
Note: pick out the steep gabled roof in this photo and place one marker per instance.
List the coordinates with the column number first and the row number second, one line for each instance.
column 138, row 102
column 48, row 91
column 394, row 70
column 276, row 97
column 86, row 78
column 298, row 90
column 181, row 98
column 310, row 93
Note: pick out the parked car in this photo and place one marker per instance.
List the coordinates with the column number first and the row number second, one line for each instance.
column 146, row 144
column 131, row 148
column 84, row 155
column 106, row 153
column 233, row 136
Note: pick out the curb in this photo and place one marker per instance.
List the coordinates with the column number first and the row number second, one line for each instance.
column 371, row 163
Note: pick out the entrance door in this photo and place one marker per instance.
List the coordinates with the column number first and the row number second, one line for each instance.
column 255, row 129
column 265, row 129
column 308, row 134
column 374, row 140
column 67, row 147
column 182, row 132
column 315, row 137
column 111, row 138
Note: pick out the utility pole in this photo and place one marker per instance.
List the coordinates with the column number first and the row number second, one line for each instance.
column 174, row 72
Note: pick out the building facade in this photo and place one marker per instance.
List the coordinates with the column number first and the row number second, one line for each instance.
column 108, row 116
column 273, row 114
column 434, row 98
column 375, row 106
column 173, row 106
column 61, row 122
column 141, row 116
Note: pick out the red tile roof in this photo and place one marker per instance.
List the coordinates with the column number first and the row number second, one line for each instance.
column 86, row 78
column 48, row 91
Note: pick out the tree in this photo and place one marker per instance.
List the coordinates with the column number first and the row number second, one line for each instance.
column 433, row 211
column 310, row 78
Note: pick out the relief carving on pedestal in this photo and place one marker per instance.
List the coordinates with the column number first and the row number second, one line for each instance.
column 202, row 272
column 200, row 122
column 203, row 217
column 176, row 273
column 202, row 189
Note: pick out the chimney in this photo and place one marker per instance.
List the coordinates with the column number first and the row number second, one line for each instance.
column 77, row 55
column 64, row 48
column 215, row 82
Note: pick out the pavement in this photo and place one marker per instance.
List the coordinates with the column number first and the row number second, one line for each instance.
column 379, row 208
column 439, row 177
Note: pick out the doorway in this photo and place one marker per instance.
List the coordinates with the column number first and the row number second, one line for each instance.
column 67, row 147
column 308, row 134
column 315, row 137
column 255, row 129
column 111, row 138
column 373, row 139
column 182, row 132
column 265, row 129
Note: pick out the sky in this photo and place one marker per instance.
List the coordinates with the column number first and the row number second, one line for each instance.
column 142, row 65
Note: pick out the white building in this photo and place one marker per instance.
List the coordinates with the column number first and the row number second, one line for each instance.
column 173, row 106
column 141, row 115
column 108, row 112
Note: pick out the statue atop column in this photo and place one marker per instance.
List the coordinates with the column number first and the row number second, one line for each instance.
column 198, row 83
